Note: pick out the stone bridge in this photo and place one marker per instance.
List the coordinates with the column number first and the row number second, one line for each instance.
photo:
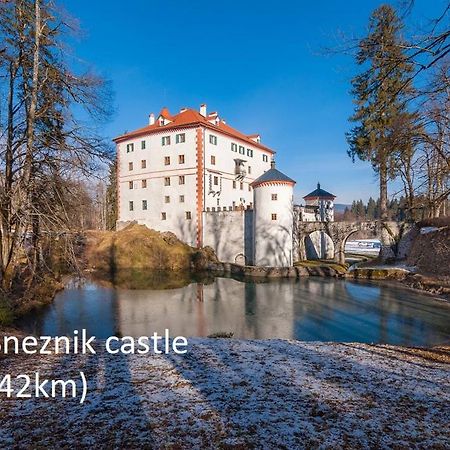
column 390, row 234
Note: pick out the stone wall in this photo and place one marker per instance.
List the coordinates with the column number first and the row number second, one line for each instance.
column 230, row 234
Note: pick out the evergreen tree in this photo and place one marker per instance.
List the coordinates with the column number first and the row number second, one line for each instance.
column 360, row 210
column 371, row 209
column 111, row 197
column 380, row 92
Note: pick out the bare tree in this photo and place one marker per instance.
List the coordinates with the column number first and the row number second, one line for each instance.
column 45, row 144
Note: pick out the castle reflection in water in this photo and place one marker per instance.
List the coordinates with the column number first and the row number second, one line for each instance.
column 313, row 309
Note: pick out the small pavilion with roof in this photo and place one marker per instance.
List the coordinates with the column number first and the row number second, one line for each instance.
column 319, row 206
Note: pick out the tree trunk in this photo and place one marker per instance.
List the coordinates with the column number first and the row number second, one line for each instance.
column 383, row 191
column 31, row 113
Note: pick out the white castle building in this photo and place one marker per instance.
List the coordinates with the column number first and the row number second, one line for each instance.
column 192, row 174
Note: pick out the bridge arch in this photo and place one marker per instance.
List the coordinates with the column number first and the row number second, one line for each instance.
column 319, row 245
column 389, row 234
column 372, row 235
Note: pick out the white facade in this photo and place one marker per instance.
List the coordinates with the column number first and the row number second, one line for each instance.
column 167, row 205
column 178, row 167
column 273, row 222
column 227, row 181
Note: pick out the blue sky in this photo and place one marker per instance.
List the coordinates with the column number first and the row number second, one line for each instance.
column 260, row 64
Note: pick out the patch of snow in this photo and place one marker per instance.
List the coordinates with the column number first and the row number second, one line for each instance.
column 426, row 230
column 227, row 392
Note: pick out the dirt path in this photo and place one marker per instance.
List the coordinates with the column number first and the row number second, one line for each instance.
column 239, row 394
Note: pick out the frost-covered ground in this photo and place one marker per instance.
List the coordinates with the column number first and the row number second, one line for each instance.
column 239, row 394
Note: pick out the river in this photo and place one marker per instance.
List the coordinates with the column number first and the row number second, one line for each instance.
column 310, row 309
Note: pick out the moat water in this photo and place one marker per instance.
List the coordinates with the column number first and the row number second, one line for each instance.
column 311, row 309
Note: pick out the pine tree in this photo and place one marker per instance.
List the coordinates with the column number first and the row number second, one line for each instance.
column 360, row 210
column 371, row 209
column 380, row 93
column 111, row 197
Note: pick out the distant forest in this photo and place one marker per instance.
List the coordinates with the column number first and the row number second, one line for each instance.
column 397, row 209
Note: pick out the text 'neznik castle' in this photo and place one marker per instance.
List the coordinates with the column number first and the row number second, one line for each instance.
column 194, row 175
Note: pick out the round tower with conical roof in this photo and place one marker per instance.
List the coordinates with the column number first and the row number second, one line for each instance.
column 273, row 219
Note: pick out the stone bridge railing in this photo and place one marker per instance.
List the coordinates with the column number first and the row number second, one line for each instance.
column 390, row 235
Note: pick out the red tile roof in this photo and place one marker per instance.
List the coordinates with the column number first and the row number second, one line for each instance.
column 189, row 118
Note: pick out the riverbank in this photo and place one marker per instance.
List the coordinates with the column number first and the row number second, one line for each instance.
column 228, row 393
column 21, row 300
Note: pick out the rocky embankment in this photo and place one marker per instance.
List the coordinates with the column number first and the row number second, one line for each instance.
column 426, row 261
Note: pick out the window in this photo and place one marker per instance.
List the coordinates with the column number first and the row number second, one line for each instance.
column 143, row 164
column 274, row 217
column 181, row 198
column 130, row 148
column 265, row 158
column 242, row 185
column 130, row 166
column 131, row 205
column 188, row 215
column 216, row 181
column 166, row 160
column 180, row 159
column 142, row 145
column 234, row 184
column 249, row 188
column 213, row 160
column 167, row 199
column 249, row 170
column 166, row 140
column 130, row 185
column 274, row 197
column 250, row 152
column 163, row 216
column 241, row 150
column 233, row 147
column 144, row 184
column 166, row 181
column 180, row 138
column 181, row 179
column 144, row 205
column 212, row 139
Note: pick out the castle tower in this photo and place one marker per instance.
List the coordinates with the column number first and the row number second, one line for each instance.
column 321, row 203
column 273, row 219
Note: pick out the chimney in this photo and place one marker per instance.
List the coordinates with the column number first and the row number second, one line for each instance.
column 183, row 110
column 151, row 119
column 203, row 109
column 272, row 164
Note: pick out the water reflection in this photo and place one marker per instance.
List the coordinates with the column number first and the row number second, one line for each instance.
column 310, row 309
